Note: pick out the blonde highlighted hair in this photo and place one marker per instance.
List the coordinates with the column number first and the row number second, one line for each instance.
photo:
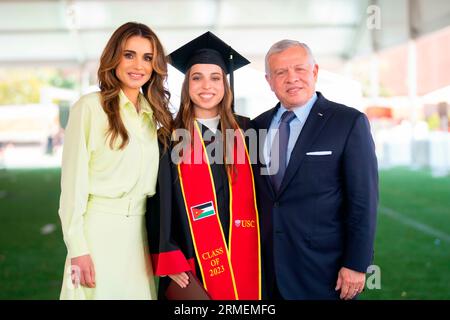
column 154, row 90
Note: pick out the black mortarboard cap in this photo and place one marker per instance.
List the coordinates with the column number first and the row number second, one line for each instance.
column 208, row 49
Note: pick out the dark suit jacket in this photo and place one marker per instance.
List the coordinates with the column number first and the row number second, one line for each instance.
column 324, row 215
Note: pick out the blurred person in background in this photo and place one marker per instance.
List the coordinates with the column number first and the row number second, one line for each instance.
column 109, row 169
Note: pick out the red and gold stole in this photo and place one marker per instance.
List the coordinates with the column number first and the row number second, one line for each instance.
column 229, row 272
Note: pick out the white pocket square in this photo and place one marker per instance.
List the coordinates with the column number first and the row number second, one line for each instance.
column 319, row 153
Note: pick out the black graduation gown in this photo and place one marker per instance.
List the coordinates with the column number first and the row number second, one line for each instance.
column 167, row 224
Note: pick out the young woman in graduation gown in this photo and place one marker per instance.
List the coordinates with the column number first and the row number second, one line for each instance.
column 208, row 221
column 109, row 168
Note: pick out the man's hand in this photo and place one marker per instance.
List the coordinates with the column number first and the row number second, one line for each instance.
column 350, row 282
column 83, row 271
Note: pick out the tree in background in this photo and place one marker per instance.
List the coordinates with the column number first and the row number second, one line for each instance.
column 22, row 86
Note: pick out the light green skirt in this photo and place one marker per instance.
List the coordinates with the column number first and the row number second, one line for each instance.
column 117, row 239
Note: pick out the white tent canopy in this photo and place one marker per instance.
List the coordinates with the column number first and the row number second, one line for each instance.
column 74, row 32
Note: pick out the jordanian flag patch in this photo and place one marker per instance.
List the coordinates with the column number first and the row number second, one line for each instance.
column 203, row 210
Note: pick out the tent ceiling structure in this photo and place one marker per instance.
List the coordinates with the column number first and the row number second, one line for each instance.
column 74, row 32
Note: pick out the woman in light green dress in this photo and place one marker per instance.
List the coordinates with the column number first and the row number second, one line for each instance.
column 109, row 168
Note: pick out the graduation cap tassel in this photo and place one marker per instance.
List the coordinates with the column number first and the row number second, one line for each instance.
column 231, row 65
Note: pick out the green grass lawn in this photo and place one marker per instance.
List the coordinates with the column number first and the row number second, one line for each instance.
column 413, row 264
column 31, row 264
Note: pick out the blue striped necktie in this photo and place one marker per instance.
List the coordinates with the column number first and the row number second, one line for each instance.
column 279, row 150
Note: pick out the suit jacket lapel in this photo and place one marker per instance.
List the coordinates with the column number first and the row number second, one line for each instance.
column 267, row 120
column 314, row 123
column 265, row 124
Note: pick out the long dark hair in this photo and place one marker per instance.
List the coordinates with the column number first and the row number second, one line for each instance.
column 185, row 117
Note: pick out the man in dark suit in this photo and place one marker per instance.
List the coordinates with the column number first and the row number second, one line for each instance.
column 318, row 209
